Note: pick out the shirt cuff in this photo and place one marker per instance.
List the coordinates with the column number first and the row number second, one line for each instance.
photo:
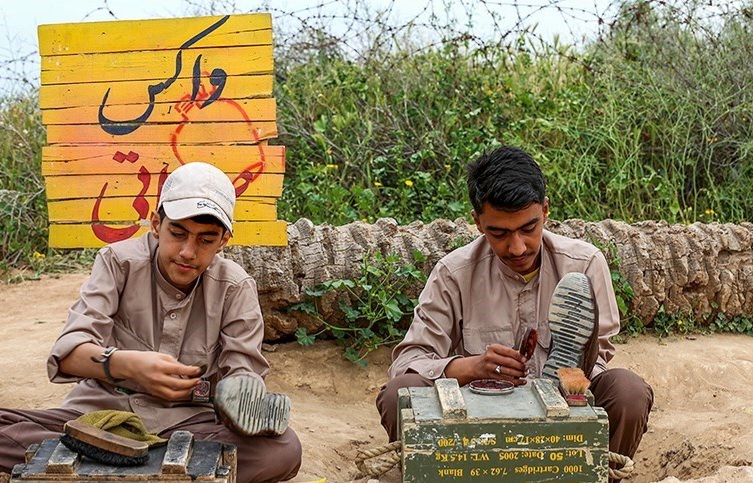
column 431, row 368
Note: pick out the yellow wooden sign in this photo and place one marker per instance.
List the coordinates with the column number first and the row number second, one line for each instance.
column 125, row 103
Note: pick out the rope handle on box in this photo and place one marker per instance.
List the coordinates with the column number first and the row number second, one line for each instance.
column 380, row 467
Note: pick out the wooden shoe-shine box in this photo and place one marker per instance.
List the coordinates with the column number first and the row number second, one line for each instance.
column 182, row 460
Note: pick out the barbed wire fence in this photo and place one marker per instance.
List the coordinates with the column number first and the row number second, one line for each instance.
column 359, row 29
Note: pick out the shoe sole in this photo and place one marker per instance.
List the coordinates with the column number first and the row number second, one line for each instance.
column 572, row 321
column 244, row 405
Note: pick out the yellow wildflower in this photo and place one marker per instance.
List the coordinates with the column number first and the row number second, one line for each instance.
column 331, row 166
column 37, row 255
column 447, row 166
column 329, row 151
column 408, row 183
column 377, row 184
column 710, row 212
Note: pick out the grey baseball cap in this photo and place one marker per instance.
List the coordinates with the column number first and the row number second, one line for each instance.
column 198, row 189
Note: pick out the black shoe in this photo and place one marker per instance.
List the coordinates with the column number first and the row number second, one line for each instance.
column 243, row 405
column 573, row 322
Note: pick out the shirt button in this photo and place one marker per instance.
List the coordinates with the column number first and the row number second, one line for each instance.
column 179, row 296
column 431, row 373
column 173, row 316
column 137, row 402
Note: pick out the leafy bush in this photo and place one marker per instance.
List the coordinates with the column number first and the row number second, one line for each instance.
column 648, row 121
column 623, row 291
column 375, row 307
column 738, row 324
column 23, row 213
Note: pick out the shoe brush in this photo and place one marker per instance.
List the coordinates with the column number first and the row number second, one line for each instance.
column 573, row 385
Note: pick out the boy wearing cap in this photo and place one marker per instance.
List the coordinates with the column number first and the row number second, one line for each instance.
column 165, row 327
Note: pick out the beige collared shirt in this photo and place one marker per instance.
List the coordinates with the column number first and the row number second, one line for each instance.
column 126, row 303
column 472, row 299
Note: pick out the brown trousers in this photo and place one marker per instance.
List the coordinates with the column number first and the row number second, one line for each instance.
column 261, row 459
column 625, row 396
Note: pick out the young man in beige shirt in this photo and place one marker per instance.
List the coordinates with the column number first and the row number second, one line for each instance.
column 479, row 300
column 156, row 312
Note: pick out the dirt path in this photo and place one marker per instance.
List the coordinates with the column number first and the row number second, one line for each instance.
column 702, row 421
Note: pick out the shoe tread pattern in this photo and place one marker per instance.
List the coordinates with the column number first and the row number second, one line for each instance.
column 246, row 407
column 571, row 322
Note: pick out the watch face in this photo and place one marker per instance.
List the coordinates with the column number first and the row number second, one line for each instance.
column 491, row 387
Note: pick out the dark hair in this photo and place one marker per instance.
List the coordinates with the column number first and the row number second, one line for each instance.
column 202, row 219
column 507, row 178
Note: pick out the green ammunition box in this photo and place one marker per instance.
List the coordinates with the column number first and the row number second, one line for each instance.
column 450, row 434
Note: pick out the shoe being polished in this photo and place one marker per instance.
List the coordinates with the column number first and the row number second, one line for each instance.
column 244, row 406
column 573, row 322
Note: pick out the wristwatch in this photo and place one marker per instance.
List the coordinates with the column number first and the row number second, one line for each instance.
column 105, row 361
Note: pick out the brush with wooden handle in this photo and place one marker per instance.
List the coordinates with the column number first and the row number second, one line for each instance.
column 103, row 446
column 573, row 385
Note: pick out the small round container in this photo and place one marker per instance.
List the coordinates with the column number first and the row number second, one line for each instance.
column 491, row 387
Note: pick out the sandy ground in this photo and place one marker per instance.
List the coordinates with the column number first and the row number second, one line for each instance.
column 701, row 428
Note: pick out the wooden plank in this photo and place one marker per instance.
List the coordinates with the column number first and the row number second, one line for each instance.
column 63, row 461
column 407, row 415
column 76, row 38
column 121, row 210
column 135, row 91
column 156, row 65
column 553, row 403
column 403, row 398
column 248, row 233
column 38, row 463
column 177, row 453
column 60, row 160
column 120, row 185
column 230, row 459
column 205, row 461
column 179, row 134
column 170, row 112
column 450, row 399
column 30, row 452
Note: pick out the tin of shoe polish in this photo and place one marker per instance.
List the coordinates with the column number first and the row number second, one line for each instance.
column 491, row 387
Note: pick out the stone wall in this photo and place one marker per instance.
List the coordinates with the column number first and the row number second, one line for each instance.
column 698, row 268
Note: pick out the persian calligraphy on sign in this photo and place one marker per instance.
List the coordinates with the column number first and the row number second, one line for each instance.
column 125, row 103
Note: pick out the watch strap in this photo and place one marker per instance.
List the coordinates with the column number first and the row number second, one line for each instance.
column 105, row 361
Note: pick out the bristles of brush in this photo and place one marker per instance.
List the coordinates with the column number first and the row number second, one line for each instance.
column 573, row 380
column 573, row 385
column 101, row 455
